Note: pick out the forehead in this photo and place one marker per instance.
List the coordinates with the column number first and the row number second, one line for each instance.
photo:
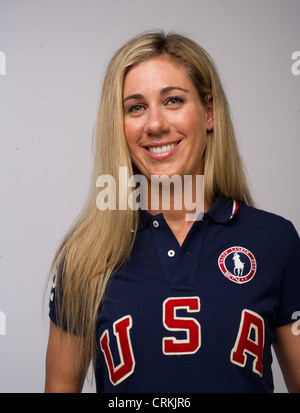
column 156, row 73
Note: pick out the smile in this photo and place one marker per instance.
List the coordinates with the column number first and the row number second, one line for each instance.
column 162, row 149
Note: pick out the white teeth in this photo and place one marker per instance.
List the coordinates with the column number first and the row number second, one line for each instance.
column 162, row 149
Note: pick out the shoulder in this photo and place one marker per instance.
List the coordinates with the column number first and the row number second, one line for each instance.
column 263, row 215
column 267, row 223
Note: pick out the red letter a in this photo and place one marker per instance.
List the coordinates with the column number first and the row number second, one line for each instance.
column 250, row 323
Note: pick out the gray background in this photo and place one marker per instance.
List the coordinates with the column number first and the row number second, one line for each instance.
column 56, row 53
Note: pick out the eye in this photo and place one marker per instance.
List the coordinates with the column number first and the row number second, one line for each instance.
column 135, row 108
column 174, row 101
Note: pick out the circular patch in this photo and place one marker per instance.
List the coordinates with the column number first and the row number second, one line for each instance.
column 237, row 264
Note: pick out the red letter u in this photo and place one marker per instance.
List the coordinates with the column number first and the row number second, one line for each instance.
column 127, row 364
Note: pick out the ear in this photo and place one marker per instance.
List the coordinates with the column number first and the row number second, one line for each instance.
column 209, row 113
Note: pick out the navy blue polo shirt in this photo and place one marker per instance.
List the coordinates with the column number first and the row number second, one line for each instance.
column 199, row 317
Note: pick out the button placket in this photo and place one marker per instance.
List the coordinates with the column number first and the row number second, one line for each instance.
column 167, row 246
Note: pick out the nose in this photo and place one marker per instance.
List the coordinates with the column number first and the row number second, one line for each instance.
column 157, row 122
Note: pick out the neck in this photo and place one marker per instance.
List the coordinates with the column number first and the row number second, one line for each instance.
column 180, row 204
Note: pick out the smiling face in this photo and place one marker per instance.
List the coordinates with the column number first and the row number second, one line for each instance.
column 165, row 122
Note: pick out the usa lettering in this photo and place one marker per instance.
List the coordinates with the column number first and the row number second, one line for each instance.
column 250, row 322
column 249, row 339
column 127, row 364
column 190, row 326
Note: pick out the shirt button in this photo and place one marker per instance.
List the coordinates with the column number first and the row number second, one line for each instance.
column 155, row 224
column 171, row 253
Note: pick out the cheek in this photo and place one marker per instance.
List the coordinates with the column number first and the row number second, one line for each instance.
column 132, row 133
column 190, row 122
column 193, row 129
column 199, row 125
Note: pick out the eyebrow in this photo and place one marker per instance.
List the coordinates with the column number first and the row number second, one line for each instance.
column 162, row 92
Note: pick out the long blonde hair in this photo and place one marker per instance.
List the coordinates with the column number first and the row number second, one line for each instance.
column 100, row 241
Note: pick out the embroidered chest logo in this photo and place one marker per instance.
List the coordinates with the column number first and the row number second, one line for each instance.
column 237, row 264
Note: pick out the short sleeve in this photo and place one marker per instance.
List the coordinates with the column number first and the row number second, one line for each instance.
column 52, row 306
column 56, row 288
column 290, row 285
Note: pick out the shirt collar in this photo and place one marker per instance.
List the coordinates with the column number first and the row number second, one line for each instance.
column 222, row 210
column 145, row 218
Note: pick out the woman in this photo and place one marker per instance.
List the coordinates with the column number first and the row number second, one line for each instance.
column 158, row 302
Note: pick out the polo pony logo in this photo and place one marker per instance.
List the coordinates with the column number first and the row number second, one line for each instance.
column 237, row 264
